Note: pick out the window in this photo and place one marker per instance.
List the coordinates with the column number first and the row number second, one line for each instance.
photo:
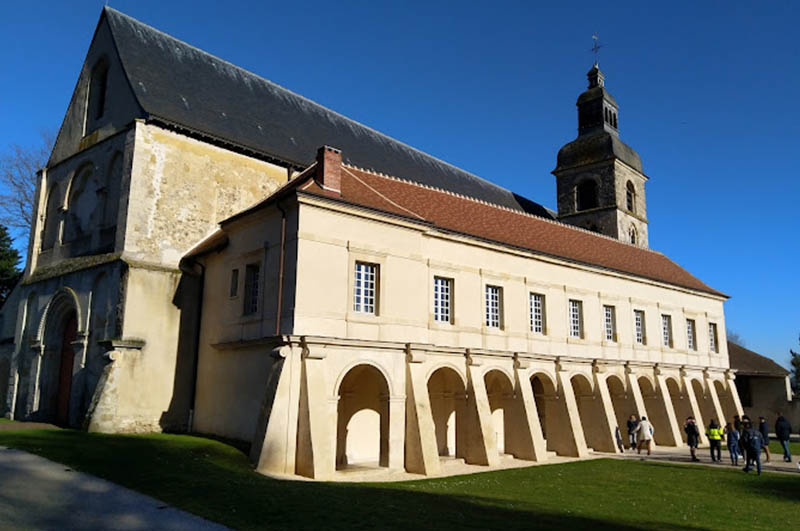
column 494, row 299
column 666, row 330
column 442, row 297
column 713, row 344
column 575, row 318
column 630, row 197
column 96, row 104
column 586, row 195
column 610, row 323
column 690, row 335
column 364, row 288
column 234, row 291
column 638, row 323
column 251, row 288
column 536, row 302
column 632, row 235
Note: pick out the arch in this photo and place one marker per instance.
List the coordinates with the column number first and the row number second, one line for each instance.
column 632, row 235
column 500, row 392
column 98, row 86
column 726, row 400
column 544, row 395
column 362, row 435
column 704, row 403
column 51, row 217
column 80, row 203
column 622, row 401
column 656, row 410
column 447, row 392
column 630, row 197
column 680, row 403
column 62, row 301
column 586, row 194
column 343, row 374
column 450, row 366
column 591, row 412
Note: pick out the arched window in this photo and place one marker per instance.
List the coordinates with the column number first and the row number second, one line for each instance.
column 615, row 120
column 586, row 195
column 51, row 218
column 98, row 83
column 632, row 235
column 80, row 205
column 630, row 197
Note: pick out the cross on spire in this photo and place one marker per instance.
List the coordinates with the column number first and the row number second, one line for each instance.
column 596, row 47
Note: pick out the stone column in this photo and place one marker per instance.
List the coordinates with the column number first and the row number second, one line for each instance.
column 730, row 381
column 686, row 382
column 663, row 391
column 573, row 415
column 608, row 420
column 422, row 454
column 482, row 443
column 101, row 416
column 35, row 374
column 712, row 393
column 397, row 431
column 530, row 442
column 316, row 437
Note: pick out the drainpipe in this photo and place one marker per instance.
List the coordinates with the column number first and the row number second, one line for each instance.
column 280, row 269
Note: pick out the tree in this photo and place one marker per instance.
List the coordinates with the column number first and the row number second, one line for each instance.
column 735, row 337
column 18, row 167
column 9, row 259
column 795, row 373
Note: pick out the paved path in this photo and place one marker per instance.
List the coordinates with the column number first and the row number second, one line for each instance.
column 681, row 455
column 39, row 494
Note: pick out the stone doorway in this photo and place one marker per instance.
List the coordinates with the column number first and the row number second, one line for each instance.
column 66, row 364
column 448, row 398
column 362, row 438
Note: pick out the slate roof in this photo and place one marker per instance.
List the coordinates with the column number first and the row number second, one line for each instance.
column 749, row 363
column 180, row 85
column 597, row 147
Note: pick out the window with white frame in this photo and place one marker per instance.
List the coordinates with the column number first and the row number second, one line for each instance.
column 609, row 323
column 536, row 303
column 690, row 335
column 713, row 344
column 494, row 299
column 252, row 276
column 638, row 326
column 575, row 318
column 442, row 299
column 666, row 330
column 365, row 287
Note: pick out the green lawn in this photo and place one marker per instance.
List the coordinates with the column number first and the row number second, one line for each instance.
column 215, row 480
column 775, row 448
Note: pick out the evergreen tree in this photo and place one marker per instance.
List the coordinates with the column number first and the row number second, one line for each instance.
column 9, row 259
column 795, row 377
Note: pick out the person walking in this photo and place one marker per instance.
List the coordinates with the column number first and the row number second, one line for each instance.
column 742, row 446
column 783, row 430
column 714, row 433
column 692, row 436
column 732, row 440
column 764, row 431
column 644, row 431
column 632, row 425
column 753, row 442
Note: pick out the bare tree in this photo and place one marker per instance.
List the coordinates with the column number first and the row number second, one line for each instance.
column 18, row 167
column 735, row 337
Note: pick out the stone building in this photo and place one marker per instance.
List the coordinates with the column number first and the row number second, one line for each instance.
column 214, row 253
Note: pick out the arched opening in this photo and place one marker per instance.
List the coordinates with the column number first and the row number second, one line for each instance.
column 51, row 218
column 500, row 392
column 58, row 363
column 726, row 400
column 79, row 208
column 680, row 403
column 98, row 85
column 656, row 412
column 591, row 411
column 448, row 399
column 632, row 237
column 705, row 403
column 623, row 403
column 586, row 195
column 362, row 436
column 630, row 197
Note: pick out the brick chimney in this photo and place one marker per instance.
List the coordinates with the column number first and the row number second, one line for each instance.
column 329, row 169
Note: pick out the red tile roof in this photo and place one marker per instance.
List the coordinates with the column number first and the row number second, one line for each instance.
column 460, row 214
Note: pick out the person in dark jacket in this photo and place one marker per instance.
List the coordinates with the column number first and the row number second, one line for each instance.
column 692, row 436
column 753, row 442
column 632, row 424
column 732, row 438
column 783, row 430
column 764, row 431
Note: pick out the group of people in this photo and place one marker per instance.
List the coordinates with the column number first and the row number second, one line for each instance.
column 743, row 438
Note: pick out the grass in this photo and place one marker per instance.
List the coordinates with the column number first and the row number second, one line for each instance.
column 775, row 448
column 215, row 480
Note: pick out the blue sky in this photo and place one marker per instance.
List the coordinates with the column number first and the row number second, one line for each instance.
column 708, row 97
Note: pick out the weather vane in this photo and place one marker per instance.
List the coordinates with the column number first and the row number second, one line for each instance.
column 596, row 47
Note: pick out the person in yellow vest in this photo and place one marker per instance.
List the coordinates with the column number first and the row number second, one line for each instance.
column 715, row 433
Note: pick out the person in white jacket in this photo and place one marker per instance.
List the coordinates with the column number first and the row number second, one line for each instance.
column 644, row 432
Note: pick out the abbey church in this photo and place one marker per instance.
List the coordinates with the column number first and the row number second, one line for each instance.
column 213, row 253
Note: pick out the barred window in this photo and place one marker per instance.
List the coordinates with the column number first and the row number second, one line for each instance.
column 666, row 330
column 638, row 322
column 575, row 318
column 442, row 297
column 365, row 287
column 494, row 296
column 234, row 290
column 713, row 344
column 251, row 288
column 610, row 322
column 536, row 302
column 690, row 335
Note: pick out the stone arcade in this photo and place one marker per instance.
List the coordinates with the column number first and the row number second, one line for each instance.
column 214, row 253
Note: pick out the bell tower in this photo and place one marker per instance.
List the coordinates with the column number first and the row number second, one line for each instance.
column 599, row 179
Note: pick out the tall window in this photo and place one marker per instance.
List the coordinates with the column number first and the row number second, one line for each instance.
column 713, row 344
column 98, row 83
column 666, row 330
column 494, row 299
column 365, row 287
column 630, row 197
column 632, row 235
column 609, row 323
column 690, row 335
column 442, row 297
column 586, row 195
column 234, row 288
column 252, row 274
column 536, row 302
column 575, row 318
column 638, row 324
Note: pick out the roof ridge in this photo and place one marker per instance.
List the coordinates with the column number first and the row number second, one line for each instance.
column 300, row 96
column 501, row 207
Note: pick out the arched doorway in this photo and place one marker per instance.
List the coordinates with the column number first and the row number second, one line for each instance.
column 448, row 398
column 656, row 412
column 500, row 392
column 623, row 403
column 58, row 363
column 362, row 436
column 726, row 400
column 592, row 413
column 680, row 403
column 553, row 415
